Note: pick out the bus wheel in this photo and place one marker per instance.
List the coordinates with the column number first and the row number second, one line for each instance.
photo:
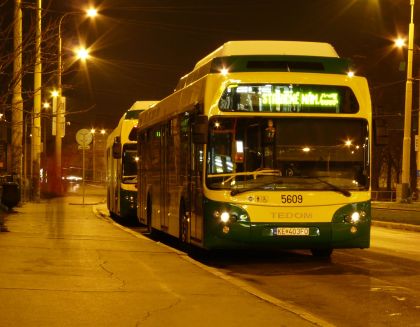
column 184, row 223
column 322, row 253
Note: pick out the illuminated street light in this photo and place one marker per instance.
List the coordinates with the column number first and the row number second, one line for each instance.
column 400, row 42
column 82, row 53
column 58, row 134
column 91, row 12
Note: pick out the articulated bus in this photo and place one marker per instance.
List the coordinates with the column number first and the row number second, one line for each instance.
column 265, row 144
column 121, row 166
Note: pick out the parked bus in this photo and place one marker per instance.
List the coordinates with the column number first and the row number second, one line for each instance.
column 121, row 165
column 265, row 144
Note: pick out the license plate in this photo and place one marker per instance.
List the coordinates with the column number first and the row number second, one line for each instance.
column 293, row 231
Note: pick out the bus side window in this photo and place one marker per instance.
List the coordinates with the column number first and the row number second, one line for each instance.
column 117, row 148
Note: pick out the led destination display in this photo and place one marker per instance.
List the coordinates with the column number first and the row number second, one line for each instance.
column 289, row 98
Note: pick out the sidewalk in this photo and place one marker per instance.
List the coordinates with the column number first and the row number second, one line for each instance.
column 62, row 265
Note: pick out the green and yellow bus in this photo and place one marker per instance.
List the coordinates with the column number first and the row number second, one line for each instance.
column 265, row 144
column 121, row 165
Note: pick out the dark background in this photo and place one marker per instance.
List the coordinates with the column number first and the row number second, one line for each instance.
column 141, row 48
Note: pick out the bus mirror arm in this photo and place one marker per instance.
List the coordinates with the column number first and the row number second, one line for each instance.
column 200, row 129
column 116, row 148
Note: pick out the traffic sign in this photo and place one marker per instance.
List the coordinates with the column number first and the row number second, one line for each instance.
column 84, row 137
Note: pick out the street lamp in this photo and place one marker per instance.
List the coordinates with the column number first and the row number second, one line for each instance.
column 46, row 106
column 400, row 43
column 58, row 132
column 405, row 178
column 82, row 53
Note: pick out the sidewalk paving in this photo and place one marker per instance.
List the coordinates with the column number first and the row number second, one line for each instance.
column 62, row 265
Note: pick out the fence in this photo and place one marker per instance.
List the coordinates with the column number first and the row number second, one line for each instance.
column 384, row 195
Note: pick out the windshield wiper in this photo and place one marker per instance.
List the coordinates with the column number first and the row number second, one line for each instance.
column 255, row 187
column 333, row 187
column 129, row 178
column 280, row 181
column 254, row 174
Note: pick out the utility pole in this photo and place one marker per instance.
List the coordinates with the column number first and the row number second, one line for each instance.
column 17, row 102
column 57, row 176
column 36, row 123
column 418, row 146
column 405, row 178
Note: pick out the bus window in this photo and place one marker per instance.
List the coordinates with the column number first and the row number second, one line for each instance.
column 129, row 163
column 301, row 150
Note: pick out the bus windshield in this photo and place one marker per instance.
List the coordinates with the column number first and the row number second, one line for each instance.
column 129, row 164
column 288, row 153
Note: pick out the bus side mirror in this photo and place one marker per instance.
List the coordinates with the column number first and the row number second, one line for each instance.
column 200, row 130
column 116, row 148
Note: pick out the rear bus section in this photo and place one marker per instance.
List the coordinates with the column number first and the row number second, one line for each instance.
column 122, row 161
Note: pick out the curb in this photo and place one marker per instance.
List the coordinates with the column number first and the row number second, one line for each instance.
column 392, row 225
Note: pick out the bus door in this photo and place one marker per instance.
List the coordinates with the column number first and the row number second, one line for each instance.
column 196, row 191
column 164, row 189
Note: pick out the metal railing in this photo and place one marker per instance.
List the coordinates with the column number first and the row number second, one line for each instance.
column 389, row 196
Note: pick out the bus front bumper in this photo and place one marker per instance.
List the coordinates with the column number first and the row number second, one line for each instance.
column 336, row 233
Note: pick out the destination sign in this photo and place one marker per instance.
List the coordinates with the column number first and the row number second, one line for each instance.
column 301, row 98
column 293, row 98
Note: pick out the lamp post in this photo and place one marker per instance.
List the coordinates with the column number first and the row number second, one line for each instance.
column 93, row 153
column 46, row 105
column 58, row 122
column 405, row 178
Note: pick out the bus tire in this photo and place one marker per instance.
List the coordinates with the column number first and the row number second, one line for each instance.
column 322, row 252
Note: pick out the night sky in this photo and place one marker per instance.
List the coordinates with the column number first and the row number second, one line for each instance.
column 142, row 48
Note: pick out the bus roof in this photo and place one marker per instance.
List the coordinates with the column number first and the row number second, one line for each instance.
column 142, row 105
column 286, row 48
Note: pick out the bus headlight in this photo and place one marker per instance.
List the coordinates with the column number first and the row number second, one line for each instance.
column 224, row 217
column 355, row 217
column 231, row 215
column 129, row 198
